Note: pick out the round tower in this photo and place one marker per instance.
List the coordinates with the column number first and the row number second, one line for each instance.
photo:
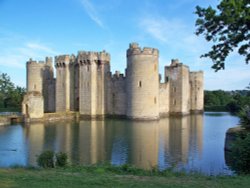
column 34, row 76
column 142, row 83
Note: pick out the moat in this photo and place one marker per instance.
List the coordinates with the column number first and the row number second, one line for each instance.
column 191, row 143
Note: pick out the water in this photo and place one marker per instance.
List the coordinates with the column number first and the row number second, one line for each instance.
column 190, row 143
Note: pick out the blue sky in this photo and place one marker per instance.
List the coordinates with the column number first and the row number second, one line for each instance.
column 35, row 29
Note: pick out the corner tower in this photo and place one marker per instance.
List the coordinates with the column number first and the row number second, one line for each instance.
column 142, row 84
column 34, row 76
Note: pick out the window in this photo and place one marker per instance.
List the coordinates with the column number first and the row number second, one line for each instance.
column 155, row 67
column 88, row 68
column 139, row 84
column 35, row 86
column 174, row 102
column 166, row 79
column 174, row 89
column 155, row 101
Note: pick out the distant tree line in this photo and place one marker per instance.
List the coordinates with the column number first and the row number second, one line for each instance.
column 11, row 96
column 231, row 101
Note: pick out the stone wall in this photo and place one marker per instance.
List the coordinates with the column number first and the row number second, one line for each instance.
column 32, row 105
column 62, row 83
column 34, row 75
column 177, row 75
column 94, row 68
column 164, row 99
column 196, row 91
column 118, row 95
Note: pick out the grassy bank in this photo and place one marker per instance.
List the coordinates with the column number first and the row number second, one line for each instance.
column 110, row 176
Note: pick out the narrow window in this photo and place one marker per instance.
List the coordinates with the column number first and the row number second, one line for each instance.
column 174, row 89
column 174, row 102
column 88, row 68
column 35, row 86
column 166, row 79
column 155, row 67
column 155, row 101
column 139, row 84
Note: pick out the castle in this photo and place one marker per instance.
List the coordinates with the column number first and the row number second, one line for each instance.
column 85, row 84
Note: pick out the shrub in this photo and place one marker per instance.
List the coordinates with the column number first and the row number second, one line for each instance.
column 244, row 115
column 61, row 159
column 46, row 159
column 240, row 155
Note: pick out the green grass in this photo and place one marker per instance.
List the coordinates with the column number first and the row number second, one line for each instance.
column 110, row 176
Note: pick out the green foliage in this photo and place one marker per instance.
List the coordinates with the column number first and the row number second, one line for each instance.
column 227, row 27
column 232, row 101
column 61, row 159
column 240, row 155
column 244, row 115
column 10, row 95
column 49, row 159
column 46, row 159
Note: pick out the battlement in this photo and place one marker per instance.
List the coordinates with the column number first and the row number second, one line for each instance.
column 35, row 63
column 62, row 60
column 175, row 63
column 135, row 49
column 118, row 76
column 196, row 72
column 87, row 56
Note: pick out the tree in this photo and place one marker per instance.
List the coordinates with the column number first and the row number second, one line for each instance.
column 10, row 95
column 228, row 27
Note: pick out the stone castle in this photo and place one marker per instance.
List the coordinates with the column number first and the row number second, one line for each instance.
column 85, row 84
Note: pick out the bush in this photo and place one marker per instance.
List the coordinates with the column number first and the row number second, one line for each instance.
column 244, row 115
column 61, row 159
column 240, row 155
column 46, row 159
column 49, row 159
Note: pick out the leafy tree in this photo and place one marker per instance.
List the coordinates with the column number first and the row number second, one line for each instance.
column 227, row 27
column 239, row 157
column 10, row 95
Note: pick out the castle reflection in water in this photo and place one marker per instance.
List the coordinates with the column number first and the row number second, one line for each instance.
column 172, row 141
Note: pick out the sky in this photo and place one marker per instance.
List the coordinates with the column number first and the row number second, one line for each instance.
column 36, row 29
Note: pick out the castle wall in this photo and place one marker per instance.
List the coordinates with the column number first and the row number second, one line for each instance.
column 196, row 91
column 118, row 95
column 142, row 83
column 48, row 86
column 62, row 83
column 164, row 99
column 50, row 101
column 32, row 105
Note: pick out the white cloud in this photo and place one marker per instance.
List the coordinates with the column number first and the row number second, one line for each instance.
column 15, row 57
column 161, row 29
column 92, row 12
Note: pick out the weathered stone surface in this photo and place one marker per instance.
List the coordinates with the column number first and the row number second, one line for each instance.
column 32, row 105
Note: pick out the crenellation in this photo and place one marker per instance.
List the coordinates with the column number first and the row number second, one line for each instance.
column 84, row 83
column 134, row 49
